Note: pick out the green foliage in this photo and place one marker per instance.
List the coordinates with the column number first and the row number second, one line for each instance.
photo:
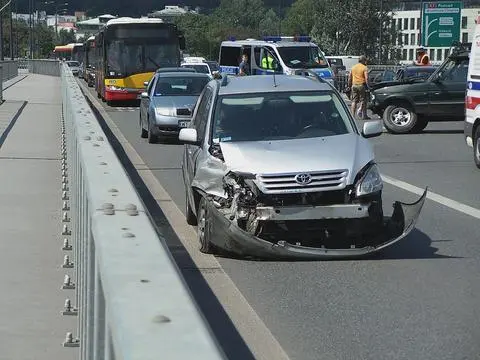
column 66, row 37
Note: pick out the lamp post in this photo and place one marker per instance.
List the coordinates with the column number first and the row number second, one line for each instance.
column 11, row 31
column 380, row 34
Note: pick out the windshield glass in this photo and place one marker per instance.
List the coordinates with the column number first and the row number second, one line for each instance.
column 455, row 69
column 198, row 68
column 213, row 66
column 73, row 63
column 302, row 57
column 279, row 116
column 180, row 85
column 132, row 56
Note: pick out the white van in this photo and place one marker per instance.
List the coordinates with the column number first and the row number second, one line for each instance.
column 472, row 98
column 343, row 63
column 290, row 55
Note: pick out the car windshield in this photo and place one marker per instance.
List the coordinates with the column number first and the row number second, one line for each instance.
column 180, row 85
column 279, row 116
column 302, row 57
column 454, row 69
column 132, row 56
column 213, row 66
column 198, row 68
column 73, row 63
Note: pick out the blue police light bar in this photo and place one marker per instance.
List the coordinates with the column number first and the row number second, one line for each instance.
column 302, row 38
column 231, row 38
column 272, row 38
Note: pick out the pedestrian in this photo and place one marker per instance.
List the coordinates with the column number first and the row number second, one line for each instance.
column 358, row 83
column 244, row 67
column 422, row 58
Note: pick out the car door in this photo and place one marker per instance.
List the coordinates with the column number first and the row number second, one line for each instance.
column 145, row 102
column 447, row 95
column 199, row 122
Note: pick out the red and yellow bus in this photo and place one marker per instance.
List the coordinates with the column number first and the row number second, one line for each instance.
column 63, row 51
column 129, row 51
column 89, row 58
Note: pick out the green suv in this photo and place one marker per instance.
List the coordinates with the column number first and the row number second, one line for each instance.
column 408, row 108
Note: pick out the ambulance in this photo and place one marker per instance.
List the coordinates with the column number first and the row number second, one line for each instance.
column 472, row 99
column 290, row 53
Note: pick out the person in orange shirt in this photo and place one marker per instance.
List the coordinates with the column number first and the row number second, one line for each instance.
column 358, row 82
column 422, row 58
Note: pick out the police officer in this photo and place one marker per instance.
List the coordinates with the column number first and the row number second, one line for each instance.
column 267, row 62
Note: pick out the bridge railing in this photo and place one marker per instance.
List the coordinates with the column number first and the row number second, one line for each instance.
column 130, row 298
column 44, row 67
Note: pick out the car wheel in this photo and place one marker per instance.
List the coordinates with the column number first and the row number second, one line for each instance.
column 203, row 228
column 399, row 118
column 189, row 215
column 143, row 132
column 152, row 138
column 476, row 147
column 422, row 122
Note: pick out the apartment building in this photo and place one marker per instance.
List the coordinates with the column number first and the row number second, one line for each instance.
column 409, row 23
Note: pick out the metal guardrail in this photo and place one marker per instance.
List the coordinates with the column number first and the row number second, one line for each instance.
column 132, row 302
column 9, row 69
column 44, row 67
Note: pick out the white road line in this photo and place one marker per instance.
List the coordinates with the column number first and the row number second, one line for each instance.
column 452, row 204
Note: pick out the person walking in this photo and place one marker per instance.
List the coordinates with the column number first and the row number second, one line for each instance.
column 358, row 82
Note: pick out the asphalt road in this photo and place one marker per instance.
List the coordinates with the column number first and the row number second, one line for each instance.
column 417, row 300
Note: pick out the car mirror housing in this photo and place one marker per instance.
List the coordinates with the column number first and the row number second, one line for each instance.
column 145, row 83
column 188, row 136
column 144, row 95
column 372, row 129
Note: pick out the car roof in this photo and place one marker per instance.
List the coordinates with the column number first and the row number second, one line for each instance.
column 174, row 69
column 420, row 68
column 183, row 74
column 240, row 43
column 265, row 83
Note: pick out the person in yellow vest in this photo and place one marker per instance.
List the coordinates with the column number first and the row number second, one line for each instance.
column 358, row 83
column 267, row 62
column 422, row 58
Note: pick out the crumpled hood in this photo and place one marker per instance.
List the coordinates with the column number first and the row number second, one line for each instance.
column 348, row 151
column 175, row 102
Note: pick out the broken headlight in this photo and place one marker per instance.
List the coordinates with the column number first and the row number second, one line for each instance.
column 370, row 182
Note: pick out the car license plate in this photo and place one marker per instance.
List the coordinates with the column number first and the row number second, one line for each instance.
column 183, row 123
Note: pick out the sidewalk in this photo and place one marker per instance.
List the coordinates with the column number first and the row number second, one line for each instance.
column 31, row 326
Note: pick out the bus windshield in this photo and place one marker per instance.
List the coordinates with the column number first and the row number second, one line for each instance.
column 297, row 57
column 129, row 56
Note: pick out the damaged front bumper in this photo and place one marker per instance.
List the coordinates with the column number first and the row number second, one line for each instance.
column 226, row 234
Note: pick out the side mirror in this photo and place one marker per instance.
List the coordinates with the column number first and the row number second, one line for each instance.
column 372, row 129
column 145, row 83
column 188, row 136
column 144, row 95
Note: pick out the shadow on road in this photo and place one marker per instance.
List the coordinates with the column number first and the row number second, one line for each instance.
column 446, row 131
column 222, row 327
column 129, row 103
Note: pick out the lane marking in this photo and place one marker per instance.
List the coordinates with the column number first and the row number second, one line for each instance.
column 440, row 199
column 257, row 336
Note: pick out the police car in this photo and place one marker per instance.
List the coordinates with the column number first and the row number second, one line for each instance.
column 472, row 99
column 201, row 65
column 289, row 54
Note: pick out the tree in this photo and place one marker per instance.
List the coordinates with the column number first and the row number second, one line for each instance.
column 66, row 37
column 270, row 24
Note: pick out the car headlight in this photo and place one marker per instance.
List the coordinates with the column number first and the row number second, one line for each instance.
column 370, row 182
column 164, row 111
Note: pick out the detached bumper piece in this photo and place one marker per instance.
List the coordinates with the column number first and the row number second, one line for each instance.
column 315, row 239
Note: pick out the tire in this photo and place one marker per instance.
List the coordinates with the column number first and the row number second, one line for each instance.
column 109, row 102
column 203, row 228
column 399, row 118
column 98, row 94
column 476, row 147
column 152, row 138
column 143, row 132
column 190, row 217
column 422, row 122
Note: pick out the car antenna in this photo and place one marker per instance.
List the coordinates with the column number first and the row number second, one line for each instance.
column 274, row 79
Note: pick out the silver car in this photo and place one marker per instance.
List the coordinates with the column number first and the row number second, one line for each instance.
column 74, row 67
column 276, row 167
column 167, row 104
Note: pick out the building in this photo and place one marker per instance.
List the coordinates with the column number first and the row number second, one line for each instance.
column 409, row 23
column 92, row 26
column 169, row 13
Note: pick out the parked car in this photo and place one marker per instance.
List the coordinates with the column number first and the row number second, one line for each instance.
column 167, row 104
column 407, row 108
column 406, row 74
column 74, row 66
column 211, row 68
column 276, row 167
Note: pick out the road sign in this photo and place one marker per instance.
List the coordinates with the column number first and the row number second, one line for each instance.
column 441, row 23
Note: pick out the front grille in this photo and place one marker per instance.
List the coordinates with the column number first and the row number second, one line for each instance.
column 184, row 112
column 286, row 183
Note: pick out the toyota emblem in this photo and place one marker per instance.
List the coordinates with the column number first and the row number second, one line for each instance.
column 303, row 179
